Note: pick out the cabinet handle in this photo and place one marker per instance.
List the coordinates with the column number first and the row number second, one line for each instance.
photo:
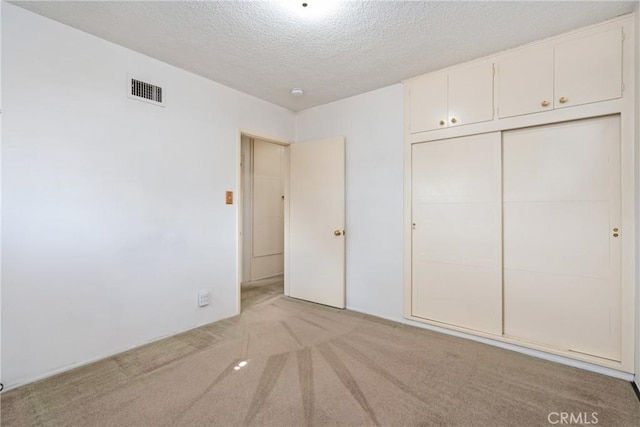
column 563, row 100
column 545, row 103
column 453, row 120
column 441, row 122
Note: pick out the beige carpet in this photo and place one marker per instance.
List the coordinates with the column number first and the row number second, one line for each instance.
column 312, row 365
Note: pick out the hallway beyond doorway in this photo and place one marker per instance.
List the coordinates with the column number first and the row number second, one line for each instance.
column 260, row 291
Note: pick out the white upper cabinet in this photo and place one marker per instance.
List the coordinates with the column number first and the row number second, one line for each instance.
column 562, row 74
column 428, row 100
column 461, row 96
column 471, row 94
column 525, row 82
column 588, row 69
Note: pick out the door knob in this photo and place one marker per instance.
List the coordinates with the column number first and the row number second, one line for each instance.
column 441, row 122
column 453, row 120
column 338, row 232
column 563, row 100
column 545, row 103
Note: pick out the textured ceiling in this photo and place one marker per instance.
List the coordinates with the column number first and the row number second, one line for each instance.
column 264, row 49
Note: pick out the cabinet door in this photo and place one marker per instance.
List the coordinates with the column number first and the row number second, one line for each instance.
column 525, row 82
column 588, row 69
column 456, row 238
column 428, row 103
column 562, row 239
column 471, row 94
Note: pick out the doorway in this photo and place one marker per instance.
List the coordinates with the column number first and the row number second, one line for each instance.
column 263, row 169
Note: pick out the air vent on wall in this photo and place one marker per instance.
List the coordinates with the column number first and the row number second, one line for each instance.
column 146, row 92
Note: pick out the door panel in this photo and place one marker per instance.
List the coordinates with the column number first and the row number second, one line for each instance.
column 526, row 81
column 428, row 103
column 562, row 262
column 563, row 311
column 456, row 241
column 267, row 217
column 456, row 294
column 316, row 210
column 549, row 163
column 471, row 94
column 557, row 237
column 589, row 69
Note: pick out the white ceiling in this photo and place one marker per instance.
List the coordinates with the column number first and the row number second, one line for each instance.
column 265, row 49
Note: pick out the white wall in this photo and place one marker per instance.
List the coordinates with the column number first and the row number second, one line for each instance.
column 372, row 126
column 113, row 210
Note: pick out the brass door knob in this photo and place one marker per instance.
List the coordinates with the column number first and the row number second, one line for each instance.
column 545, row 103
column 441, row 122
column 563, row 100
column 453, row 120
column 615, row 234
column 338, row 232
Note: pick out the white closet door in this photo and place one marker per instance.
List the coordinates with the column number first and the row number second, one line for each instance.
column 267, row 249
column 268, row 189
column 456, row 211
column 561, row 254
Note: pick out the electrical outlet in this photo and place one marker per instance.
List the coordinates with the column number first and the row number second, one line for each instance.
column 203, row 298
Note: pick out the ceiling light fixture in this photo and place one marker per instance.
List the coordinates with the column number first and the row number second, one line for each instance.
column 296, row 91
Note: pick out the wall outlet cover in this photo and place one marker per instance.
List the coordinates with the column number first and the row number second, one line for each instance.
column 203, row 298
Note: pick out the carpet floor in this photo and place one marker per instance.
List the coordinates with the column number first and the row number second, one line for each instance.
column 285, row 362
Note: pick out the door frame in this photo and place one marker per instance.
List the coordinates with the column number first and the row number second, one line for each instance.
column 239, row 210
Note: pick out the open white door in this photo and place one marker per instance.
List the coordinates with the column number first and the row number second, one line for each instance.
column 316, row 250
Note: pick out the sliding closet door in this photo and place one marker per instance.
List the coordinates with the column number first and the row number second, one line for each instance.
column 562, row 236
column 456, row 239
